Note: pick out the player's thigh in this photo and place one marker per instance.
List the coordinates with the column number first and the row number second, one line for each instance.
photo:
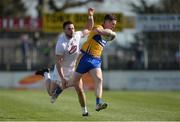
column 76, row 78
column 96, row 74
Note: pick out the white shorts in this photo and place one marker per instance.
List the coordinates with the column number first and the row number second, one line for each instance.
column 68, row 72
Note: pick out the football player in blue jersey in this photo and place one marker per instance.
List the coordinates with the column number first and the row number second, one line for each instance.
column 90, row 61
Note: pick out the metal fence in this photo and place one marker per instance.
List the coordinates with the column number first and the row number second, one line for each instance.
column 114, row 57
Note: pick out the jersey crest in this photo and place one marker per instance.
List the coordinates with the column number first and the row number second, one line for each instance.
column 73, row 49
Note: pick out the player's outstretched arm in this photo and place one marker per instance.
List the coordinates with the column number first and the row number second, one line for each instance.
column 90, row 23
column 106, row 33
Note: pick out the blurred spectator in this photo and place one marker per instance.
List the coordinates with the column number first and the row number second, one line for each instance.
column 177, row 56
column 25, row 45
column 47, row 51
column 36, row 37
column 138, row 62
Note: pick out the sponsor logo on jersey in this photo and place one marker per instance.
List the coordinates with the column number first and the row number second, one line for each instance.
column 73, row 49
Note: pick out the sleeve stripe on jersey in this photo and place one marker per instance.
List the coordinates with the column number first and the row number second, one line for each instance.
column 98, row 39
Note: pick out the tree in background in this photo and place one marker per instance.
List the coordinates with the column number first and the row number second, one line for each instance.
column 144, row 8
column 170, row 6
column 66, row 4
column 12, row 8
column 70, row 4
column 161, row 46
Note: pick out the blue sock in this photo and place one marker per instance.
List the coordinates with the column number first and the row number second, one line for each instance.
column 98, row 101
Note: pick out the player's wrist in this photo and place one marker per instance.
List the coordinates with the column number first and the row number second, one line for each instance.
column 90, row 16
column 113, row 33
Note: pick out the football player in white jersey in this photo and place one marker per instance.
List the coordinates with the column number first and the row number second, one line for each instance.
column 67, row 50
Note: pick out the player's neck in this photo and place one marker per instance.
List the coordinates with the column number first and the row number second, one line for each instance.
column 103, row 26
column 68, row 36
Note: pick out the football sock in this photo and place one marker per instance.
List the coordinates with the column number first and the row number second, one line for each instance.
column 58, row 90
column 84, row 110
column 98, row 101
column 47, row 76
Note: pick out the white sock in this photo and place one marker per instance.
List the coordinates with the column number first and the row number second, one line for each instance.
column 84, row 110
column 47, row 76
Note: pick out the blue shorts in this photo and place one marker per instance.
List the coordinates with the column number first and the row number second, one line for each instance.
column 86, row 63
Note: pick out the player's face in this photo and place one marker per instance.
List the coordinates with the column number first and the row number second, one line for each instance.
column 110, row 24
column 69, row 30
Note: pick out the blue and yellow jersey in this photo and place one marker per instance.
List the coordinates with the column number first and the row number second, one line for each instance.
column 94, row 44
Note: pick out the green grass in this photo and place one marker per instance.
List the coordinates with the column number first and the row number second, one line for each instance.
column 123, row 106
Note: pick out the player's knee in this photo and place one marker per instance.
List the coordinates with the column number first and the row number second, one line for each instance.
column 99, row 79
column 78, row 88
column 77, row 84
column 79, row 91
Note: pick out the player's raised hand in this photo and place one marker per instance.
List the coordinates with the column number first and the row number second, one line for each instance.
column 91, row 11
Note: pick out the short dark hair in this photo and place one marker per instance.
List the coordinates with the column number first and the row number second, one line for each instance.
column 66, row 23
column 109, row 17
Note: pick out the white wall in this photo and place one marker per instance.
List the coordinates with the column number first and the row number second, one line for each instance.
column 142, row 80
column 114, row 80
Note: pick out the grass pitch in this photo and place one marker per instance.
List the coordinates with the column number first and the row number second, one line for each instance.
column 123, row 106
